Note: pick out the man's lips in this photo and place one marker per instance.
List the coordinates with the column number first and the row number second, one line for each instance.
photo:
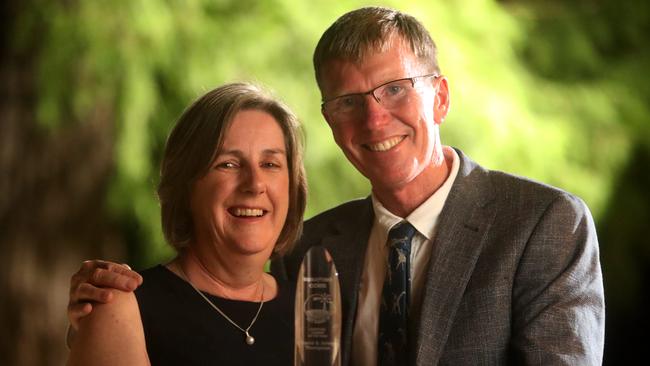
column 384, row 145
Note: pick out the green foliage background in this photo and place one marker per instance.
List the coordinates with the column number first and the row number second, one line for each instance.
column 557, row 91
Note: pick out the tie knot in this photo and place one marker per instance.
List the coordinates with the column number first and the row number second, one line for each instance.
column 401, row 234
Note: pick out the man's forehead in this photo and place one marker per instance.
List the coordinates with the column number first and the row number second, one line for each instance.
column 370, row 48
column 376, row 65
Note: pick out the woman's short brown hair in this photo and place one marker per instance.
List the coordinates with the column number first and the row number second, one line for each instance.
column 194, row 142
column 368, row 29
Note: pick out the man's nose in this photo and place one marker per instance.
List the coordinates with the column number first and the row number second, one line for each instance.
column 375, row 114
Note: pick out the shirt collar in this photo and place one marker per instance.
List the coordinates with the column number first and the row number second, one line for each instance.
column 425, row 216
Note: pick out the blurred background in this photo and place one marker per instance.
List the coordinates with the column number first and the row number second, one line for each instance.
column 555, row 90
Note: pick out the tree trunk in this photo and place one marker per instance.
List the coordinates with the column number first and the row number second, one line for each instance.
column 52, row 216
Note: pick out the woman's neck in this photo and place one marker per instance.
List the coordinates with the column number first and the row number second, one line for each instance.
column 236, row 280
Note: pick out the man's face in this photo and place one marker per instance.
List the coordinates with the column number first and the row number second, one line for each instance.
column 390, row 147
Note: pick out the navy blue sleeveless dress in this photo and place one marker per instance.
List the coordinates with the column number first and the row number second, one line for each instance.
column 181, row 328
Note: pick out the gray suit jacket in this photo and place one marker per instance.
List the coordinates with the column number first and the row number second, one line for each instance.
column 514, row 276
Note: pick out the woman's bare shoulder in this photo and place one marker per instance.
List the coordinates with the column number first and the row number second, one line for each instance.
column 123, row 307
column 111, row 334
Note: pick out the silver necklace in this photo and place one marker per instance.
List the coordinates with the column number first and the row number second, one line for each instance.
column 249, row 338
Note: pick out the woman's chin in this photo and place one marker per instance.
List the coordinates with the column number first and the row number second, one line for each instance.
column 253, row 248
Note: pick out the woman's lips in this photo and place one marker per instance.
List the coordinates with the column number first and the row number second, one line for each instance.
column 246, row 212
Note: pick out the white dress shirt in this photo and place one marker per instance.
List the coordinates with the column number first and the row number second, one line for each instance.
column 424, row 218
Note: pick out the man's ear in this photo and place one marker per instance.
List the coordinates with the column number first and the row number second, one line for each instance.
column 441, row 102
column 326, row 116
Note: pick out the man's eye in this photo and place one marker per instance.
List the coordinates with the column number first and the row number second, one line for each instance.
column 393, row 89
column 347, row 101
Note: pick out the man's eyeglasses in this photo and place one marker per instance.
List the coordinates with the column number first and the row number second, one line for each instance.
column 390, row 95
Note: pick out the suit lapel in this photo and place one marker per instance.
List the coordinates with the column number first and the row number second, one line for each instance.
column 347, row 245
column 461, row 231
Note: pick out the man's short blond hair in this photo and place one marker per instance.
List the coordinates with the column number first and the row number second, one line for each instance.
column 359, row 32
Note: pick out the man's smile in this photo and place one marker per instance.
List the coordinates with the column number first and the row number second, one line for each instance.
column 384, row 145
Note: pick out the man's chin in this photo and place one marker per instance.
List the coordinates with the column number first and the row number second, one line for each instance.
column 389, row 182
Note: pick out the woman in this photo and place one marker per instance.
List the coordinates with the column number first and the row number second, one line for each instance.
column 232, row 193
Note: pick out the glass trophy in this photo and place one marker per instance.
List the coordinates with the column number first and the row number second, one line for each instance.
column 318, row 311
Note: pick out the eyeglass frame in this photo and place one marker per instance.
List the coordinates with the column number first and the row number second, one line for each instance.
column 372, row 91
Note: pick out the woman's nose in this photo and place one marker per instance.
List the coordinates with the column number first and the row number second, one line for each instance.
column 253, row 181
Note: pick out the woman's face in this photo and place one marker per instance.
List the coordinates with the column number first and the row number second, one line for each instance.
column 241, row 204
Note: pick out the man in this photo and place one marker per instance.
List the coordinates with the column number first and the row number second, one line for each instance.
column 499, row 269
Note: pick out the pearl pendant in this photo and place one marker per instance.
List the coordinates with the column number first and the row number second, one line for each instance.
column 249, row 339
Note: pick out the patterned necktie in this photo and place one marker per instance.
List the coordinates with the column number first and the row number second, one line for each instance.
column 392, row 344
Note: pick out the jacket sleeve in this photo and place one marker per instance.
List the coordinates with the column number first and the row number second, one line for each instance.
column 558, row 299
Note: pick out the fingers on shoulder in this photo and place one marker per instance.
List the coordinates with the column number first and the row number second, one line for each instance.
column 114, row 276
column 121, row 298
column 123, row 308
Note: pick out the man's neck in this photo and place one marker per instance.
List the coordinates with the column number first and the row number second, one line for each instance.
column 401, row 201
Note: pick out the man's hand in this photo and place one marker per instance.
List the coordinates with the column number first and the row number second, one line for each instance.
column 93, row 283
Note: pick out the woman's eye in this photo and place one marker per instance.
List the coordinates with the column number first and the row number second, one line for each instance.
column 226, row 165
column 270, row 165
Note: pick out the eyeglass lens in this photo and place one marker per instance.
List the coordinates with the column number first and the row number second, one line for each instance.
column 388, row 95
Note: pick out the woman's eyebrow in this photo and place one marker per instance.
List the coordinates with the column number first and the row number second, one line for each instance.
column 236, row 152
column 274, row 152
